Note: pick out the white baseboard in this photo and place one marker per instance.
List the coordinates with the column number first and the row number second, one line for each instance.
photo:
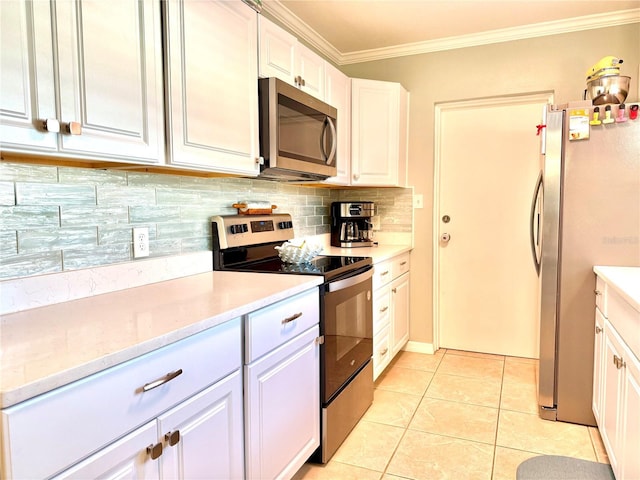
column 419, row 347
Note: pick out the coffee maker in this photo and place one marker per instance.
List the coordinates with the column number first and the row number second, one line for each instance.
column 351, row 224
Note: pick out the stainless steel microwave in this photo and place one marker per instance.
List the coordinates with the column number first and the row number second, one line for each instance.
column 297, row 133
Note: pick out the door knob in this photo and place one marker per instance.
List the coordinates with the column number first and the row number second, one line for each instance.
column 445, row 237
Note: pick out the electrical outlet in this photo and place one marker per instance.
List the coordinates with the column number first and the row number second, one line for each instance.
column 418, row 201
column 375, row 222
column 140, row 242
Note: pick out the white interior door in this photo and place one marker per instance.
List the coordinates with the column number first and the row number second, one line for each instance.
column 487, row 164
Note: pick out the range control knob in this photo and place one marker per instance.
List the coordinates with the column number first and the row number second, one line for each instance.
column 285, row 225
column 239, row 228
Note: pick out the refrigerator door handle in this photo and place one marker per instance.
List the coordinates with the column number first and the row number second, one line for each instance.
column 534, row 223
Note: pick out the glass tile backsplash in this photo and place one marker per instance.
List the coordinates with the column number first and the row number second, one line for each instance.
column 55, row 219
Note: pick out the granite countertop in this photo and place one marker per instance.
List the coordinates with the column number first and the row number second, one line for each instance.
column 44, row 348
column 624, row 280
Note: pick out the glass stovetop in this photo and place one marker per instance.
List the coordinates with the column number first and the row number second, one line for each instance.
column 326, row 265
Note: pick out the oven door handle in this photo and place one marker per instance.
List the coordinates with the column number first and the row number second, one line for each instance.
column 351, row 281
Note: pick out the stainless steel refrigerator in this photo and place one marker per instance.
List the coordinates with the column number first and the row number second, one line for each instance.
column 585, row 212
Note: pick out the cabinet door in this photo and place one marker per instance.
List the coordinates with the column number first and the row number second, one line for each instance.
column 277, row 57
column 125, row 458
column 375, row 132
column 27, row 96
column 612, row 397
column 203, row 435
column 282, row 408
column 311, row 67
column 338, row 94
column 110, row 78
column 212, row 110
column 598, row 365
column 629, row 460
column 400, row 308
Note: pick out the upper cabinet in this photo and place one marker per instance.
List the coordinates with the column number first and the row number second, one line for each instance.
column 338, row 94
column 282, row 56
column 379, row 133
column 212, row 90
column 83, row 79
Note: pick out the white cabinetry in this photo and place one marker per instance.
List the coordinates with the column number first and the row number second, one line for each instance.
column 283, row 57
column 82, row 79
column 338, row 95
column 282, row 387
column 390, row 310
column 191, row 390
column 379, row 133
column 616, row 393
column 212, row 94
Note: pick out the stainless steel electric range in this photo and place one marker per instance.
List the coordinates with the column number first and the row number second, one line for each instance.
column 247, row 243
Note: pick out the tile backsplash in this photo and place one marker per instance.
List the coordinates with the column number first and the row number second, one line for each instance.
column 55, row 218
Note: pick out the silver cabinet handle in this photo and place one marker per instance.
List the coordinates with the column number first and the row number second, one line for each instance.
column 386, row 272
column 356, row 176
column 598, row 329
column 172, row 437
column 598, row 292
column 394, row 290
column 154, row 451
column 619, row 362
column 384, row 309
column 161, row 381
column 291, row 318
column 402, row 264
column 51, row 125
column 384, row 351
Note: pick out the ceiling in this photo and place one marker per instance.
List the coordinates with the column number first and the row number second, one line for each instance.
column 349, row 31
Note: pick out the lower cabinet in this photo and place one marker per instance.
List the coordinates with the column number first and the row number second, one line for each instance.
column 391, row 316
column 282, row 388
column 208, row 417
column 616, row 393
column 200, row 438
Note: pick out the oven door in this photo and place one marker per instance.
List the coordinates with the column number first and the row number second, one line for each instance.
column 348, row 331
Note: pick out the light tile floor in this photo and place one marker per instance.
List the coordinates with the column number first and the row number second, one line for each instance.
column 454, row 415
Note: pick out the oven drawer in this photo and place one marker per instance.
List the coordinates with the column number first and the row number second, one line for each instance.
column 274, row 325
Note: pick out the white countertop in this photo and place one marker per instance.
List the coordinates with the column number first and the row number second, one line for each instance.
column 45, row 348
column 50, row 346
column 624, row 280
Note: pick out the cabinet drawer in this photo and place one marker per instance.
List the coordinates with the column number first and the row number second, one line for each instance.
column 272, row 326
column 67, row 424
column 381, row 309
column 401, row 264
column 625, row 319
column 381, row 352
column 382, row 273
column 601, row 295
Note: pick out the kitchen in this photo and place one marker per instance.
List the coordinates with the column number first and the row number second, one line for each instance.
column 180, row 201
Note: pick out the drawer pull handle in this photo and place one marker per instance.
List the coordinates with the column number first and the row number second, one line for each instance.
column 619, row 362
column 394, row 290
column 384, row 309
column 386, row 272
column 291, row 318
column 384, row 351
column 154, row 451
column 172, row 437
column 161, row 381
column 402, row 264
column 598, row 292
column 598, row 329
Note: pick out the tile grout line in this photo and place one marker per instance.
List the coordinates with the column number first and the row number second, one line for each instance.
column 384, row 472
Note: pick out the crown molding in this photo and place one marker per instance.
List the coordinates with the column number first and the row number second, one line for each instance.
column 588, row 22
